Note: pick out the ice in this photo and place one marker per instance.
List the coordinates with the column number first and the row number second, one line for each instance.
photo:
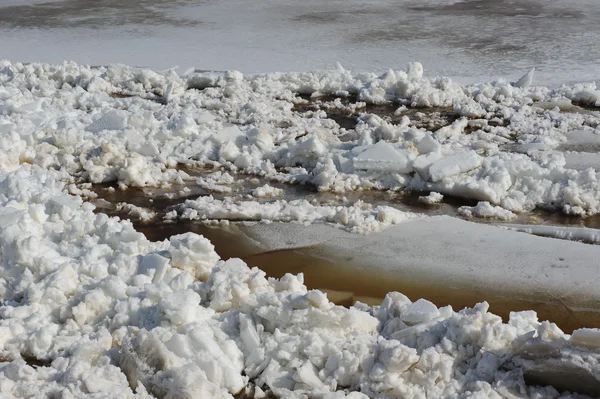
column 454, row 164
column 112, row 120
column 90, row 307
column 285, row 35
column 193, row 254
column 451, row 131
column 432, row 198
column 359, row 217
column 506, row 261
column 582, row 139
column 420, row 311
column 564, row 232
column 240, row 130
column 581, row 160
column 383, row 157
column 267, row 191
column 588, row 337
column 526, row 80
column 228, row 134
column 484, row 209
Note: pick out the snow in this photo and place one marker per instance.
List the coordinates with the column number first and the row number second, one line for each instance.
column 360, row 217
column 432, row 198
column 91, row 308
column 484, row 209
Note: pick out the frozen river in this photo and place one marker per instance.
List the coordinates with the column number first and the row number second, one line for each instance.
column 469, row 40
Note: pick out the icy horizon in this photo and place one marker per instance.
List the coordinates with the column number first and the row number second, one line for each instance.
column 471, row 41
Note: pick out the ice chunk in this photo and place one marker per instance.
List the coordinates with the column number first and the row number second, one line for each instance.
column 419, row 312
column 454, row 164
column 193, row 253
column 230, row 133
column 453, row 130
column 422, row 163
column 526, row 80
column 267, row 191
column 582, row 160
column 415, row 70
column 428, row 144
column 307, row 375
column 588, row 337
column 484, row 209
column 383, row 157
column 432, row 198
column 112, row 120
column 582, row 140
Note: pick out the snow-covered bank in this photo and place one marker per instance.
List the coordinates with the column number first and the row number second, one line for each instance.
column 91, row 308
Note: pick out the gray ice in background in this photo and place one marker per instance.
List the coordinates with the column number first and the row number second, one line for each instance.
column 472, row 40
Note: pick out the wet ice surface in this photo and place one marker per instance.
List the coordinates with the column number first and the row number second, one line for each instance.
column 323, row 269
column 336, row 271
column 471, row 40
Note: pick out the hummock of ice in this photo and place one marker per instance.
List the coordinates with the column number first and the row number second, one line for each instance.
column 91, row 308
column 109, row 314
column 133, row 126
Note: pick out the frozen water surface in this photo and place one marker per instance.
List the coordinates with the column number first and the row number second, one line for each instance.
column 470, row 40
column 91, row 308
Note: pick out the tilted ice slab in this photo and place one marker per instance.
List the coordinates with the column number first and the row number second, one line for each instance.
column 460, row 253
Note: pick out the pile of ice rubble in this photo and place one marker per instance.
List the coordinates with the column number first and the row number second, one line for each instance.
column 91, row 308
column 135, row 126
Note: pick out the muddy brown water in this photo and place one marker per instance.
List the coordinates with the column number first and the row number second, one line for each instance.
column 345, row 285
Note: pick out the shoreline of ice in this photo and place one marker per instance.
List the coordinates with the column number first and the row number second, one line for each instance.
column 91, row 308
